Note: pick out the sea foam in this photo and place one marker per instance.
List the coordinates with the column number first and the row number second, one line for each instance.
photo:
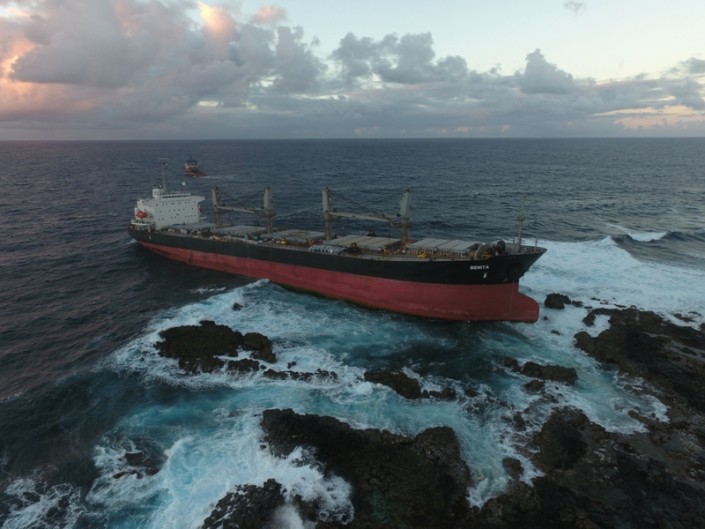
column 212, row 440
column 35, row 504
column 601, row 273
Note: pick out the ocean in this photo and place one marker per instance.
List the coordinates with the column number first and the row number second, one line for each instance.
column 82, row 305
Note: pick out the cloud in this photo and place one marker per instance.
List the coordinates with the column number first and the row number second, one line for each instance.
column 145, row 61
column 180, row 68
column 219, row 27
column 269, row 15
column 296, row 67
column 354, row 56
column 405, row 60
column 694, row 66
column 575, row 7
column 61, row 54
column 541, row 77
column 686, row 92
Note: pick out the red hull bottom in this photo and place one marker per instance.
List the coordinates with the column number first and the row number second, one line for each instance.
column 496, row 302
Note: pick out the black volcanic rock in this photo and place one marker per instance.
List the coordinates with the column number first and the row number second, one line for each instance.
column 247, row 507
column 199, row 348
column 403, row 384
column 397, row 481
column 594, row 478
column 406, row 386
column 260, row 346
column 643, row 344
column 141, row 464
column 561, row 440
column 598, row 479
column 591, row 478
column 554, row 373
column 556, row 301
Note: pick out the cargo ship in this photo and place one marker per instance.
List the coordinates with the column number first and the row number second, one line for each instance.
column 447, row 279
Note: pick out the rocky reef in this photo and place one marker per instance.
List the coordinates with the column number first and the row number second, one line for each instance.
column 396, row 481
column 591, row 478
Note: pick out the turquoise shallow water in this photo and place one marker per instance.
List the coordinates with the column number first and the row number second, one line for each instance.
column 82, row 305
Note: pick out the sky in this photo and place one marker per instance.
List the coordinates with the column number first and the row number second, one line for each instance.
column 250, row 69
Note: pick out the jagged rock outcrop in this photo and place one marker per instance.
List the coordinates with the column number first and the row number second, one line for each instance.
column 397, row 481
column 598, row 479
column 595, row 479
column 556, row 301
column 210, row 347
column 403, row 384
column 554, row 373
column 591, row 478
column 247, row 507
column 199, row 348
column 643, row 344
column 407, row 386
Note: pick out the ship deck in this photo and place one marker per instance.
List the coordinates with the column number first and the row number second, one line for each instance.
column 361, row 246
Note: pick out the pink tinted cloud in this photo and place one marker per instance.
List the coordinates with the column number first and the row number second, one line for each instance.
column 219, row 27
column 269, row 15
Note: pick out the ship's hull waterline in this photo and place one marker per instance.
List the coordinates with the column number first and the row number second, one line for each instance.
column 381, row 285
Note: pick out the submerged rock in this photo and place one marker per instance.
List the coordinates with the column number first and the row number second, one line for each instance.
column 140, row 464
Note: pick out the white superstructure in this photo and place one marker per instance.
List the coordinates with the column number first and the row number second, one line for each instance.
column 167, row 208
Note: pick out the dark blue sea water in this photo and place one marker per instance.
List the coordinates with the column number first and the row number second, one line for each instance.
column 81, row 307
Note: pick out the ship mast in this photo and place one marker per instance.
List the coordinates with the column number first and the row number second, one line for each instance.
column 158, row 190
column 404, row 215
column 520, row 226
column 164, row 166
column 266, row 210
